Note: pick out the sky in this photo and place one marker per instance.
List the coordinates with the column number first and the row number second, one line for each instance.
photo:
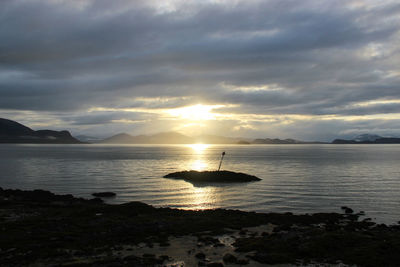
column 309, row 70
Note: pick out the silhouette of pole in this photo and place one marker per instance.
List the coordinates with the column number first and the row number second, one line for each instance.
column 220, row 163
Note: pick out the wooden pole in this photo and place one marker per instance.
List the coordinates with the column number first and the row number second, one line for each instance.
column 220, row 163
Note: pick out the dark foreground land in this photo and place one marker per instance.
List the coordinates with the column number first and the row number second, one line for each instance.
column 39, row 228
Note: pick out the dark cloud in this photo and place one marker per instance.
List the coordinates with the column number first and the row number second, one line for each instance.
column 320, row 57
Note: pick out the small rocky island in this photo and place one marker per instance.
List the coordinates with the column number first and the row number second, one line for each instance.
column 213, row 176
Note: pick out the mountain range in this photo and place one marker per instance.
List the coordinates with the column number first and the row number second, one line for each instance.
column 14, row 132
column 177, row 138
column 377, row 140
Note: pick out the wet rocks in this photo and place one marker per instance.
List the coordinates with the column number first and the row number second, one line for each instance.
column 229, row 258
column 40, row 196
column 347, row 210
column 57, row 235
column 200, row 256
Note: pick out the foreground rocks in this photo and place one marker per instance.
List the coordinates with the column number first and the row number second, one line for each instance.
column 40, row 228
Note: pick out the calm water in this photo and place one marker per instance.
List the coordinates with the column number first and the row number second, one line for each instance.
column 296, row 178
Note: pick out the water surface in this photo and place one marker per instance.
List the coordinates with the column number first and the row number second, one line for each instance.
column 296, row 178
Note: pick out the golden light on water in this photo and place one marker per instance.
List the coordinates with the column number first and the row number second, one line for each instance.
column 203, row 197
column 199, row 148
column 206, row 196
column 198, row 165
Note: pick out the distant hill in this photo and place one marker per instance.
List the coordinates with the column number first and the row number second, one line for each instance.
column 275, row 141
column 282, row 141
column 160, row 138
column 168, row 138
column 87, row 138
column 216, row 139
column 367, row 137
column 177, row 138
column 381, row 140
column 14, row 132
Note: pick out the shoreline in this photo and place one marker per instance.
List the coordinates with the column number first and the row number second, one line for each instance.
column 41, row 228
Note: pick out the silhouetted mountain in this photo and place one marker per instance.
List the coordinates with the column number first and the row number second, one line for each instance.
column 280, row 141
column 121, row 138
column 87, row 138
column 169, row 138
column 177, row 138
column 366, row 137
column 216, row 139
column 382, row 140
column 13, row 128
column 160, row 138
column 14, row 132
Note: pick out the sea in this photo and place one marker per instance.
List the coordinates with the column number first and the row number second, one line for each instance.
column 295, row 178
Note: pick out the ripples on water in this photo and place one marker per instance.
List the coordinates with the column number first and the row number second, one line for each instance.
column 296, row 178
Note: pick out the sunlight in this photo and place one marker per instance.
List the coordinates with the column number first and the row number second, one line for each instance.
column 203, row 197
column 197, row 112
column 199, row 148
column 198, row 165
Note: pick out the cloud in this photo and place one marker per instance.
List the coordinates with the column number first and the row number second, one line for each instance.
column 319, row 58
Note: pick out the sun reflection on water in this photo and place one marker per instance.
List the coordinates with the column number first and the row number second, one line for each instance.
column 203, row 198
column 198, row 165
column 199, row 148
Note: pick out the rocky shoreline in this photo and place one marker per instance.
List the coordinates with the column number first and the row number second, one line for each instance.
column 39, row 228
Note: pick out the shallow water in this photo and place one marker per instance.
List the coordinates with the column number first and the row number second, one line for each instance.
column 296, row 178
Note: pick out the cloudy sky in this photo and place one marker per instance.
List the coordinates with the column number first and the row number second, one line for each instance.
column 310, row 69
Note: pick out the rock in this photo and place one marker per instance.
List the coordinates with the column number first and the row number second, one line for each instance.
column 96, row 200
column 347, row 210
column 213, row 176
column 104, row 194
column 165, row 257
column 200, row 255
column 242, row 261
column 229, row 258
column 164, row 244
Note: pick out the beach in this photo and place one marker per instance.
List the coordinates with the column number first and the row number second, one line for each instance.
column 39, row 228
